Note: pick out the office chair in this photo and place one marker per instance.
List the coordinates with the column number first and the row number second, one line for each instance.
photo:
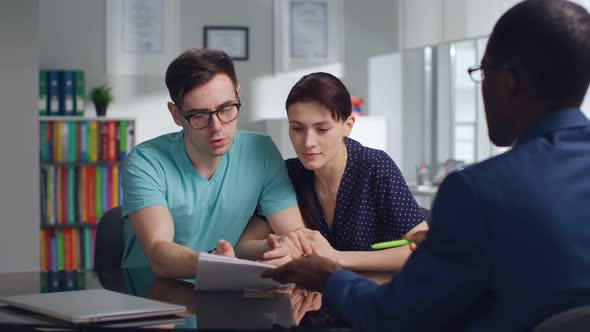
column 571, row 320
column 109, row 242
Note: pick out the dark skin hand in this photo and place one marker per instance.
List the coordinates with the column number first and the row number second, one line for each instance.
column 311, row 272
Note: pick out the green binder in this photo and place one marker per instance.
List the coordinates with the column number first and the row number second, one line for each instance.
column 87, row 248
column 122, row 140
column 60, row 250
column 98, row 191
column 79, row 93
column 72, row 141
column 42, row 141
column 42, row 92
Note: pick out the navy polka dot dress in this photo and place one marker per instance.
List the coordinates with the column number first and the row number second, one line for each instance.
column 373, row 203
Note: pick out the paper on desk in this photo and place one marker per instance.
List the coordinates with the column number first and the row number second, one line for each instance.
column 215, row 272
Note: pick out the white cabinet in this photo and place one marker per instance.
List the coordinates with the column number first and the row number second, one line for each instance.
column 370, row 131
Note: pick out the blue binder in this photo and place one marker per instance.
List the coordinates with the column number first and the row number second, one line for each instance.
column 66, row 92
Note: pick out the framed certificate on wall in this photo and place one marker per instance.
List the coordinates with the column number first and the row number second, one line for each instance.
column 141, row 36
column 307, row 34
column 232, row 40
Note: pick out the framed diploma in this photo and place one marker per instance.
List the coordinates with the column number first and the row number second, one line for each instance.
column 231, row 40
column 141, row 36
column 307, row 34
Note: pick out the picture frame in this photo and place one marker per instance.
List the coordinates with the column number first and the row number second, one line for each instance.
column 308, row 34
column 233, row 40
column 142, row 37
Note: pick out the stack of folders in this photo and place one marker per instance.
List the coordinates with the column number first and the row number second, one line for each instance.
column 215, row 272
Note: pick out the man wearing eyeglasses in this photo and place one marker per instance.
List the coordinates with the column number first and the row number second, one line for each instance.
column 509, row 240
column 184, row 191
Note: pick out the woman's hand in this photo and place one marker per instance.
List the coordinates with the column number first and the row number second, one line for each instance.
column 297, row 243
column 320, row 246
column 300, row 243
column 304, row 242
column 278, row 254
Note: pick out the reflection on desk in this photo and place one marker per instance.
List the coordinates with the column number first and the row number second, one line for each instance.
column 284, row 308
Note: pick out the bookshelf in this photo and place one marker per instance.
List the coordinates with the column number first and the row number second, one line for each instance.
column 80, row 162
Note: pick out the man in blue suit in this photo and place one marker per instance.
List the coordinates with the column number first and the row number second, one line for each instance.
column 509, row 243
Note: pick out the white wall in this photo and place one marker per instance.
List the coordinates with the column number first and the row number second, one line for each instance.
column 430, row 22
column 385, row 94
column 19, row 142
column 370, row 30
column 413, row 101
column 421, row 23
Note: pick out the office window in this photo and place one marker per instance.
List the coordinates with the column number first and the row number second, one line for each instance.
column 464, row 107
column 444, row 116
column 470, row 141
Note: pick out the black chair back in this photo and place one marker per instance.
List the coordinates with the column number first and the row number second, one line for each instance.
column 109, row 242
column 571, row 320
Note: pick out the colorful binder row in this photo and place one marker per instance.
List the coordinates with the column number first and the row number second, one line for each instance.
column 61, row 92
column 78, row 194
column 67, row 249
column 85, row 141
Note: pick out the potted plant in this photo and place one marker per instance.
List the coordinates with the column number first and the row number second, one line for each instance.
column 102, row 97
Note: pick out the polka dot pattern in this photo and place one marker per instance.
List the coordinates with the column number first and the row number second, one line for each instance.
column 373, row 203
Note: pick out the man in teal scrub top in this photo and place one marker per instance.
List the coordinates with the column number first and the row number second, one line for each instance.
column 184, row 191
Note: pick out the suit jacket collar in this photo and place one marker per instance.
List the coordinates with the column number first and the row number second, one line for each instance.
column 554, row 121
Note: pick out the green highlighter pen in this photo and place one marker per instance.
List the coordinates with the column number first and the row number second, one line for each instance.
column 390, row 244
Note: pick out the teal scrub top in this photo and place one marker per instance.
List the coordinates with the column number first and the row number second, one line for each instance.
column 158, row 172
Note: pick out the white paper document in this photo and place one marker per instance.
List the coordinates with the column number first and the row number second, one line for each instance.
column 215, row 272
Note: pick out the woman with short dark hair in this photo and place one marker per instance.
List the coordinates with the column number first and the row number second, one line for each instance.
column 351, row 196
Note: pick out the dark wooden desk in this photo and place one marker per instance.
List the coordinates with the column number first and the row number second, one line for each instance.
column 283, row 309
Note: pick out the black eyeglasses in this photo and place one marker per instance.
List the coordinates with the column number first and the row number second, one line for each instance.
column 477, row 74
column 225, row 113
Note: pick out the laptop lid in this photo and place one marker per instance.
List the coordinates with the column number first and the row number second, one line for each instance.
column 92, row 305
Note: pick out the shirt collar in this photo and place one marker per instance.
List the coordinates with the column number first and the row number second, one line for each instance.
column 553, row 121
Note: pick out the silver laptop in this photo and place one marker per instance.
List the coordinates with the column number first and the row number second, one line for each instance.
column 91, row 306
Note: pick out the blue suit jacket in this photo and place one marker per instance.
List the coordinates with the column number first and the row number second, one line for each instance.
column 509, row 243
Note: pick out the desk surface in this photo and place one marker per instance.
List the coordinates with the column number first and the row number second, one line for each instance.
column 205, row 310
